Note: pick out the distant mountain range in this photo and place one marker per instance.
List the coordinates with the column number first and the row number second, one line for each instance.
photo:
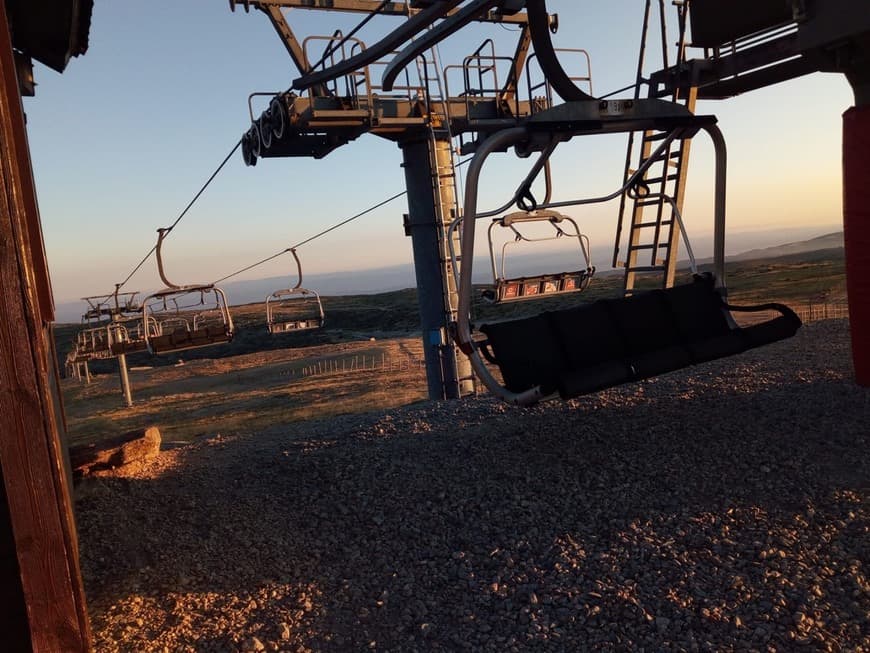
column 398, row 277
column 828, row 241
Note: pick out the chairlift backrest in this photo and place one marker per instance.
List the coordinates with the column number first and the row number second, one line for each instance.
column 183, row 326
column 293, row 309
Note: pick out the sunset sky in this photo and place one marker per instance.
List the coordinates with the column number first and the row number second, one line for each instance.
column 123, row 140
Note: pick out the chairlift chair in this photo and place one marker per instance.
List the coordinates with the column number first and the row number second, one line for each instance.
column 294, row 309
column 178, row 331
column 94, row 343
column 106, row 307
column 593, row 346
column 128, row 336
column 508, row 289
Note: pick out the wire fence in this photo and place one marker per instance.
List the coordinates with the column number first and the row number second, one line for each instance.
column 362, row 363
column 807, row 312
column 812, row 312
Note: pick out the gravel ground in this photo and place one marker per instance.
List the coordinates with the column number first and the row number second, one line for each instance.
column 719, row 508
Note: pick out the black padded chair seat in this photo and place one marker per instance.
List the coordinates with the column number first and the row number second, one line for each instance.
column 609, row 342
column 527, row 359
column 131, row 347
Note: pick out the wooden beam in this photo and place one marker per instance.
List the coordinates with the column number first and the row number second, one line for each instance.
column 31, row 458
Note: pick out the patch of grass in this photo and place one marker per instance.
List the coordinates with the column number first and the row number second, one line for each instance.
column 261, row 380
column 247, row 393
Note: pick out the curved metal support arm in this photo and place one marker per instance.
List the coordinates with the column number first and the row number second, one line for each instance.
column 161, row 234
column 494, row 143
column 632, row 181
column 434, row 36
column 115, row 295
column 396, row 38
column 539, row 26
column 298, row 268
column 721, row 154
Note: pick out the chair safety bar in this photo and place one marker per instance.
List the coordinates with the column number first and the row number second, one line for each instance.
column 519, row 288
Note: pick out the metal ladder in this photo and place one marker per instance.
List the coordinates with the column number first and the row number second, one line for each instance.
column 653, row 238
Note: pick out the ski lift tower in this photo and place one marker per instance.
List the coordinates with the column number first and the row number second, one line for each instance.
column 395, row 89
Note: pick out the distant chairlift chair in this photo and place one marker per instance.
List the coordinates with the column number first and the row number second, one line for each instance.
column 126, row 332
column 211, row 324
column 573, row 351
column 294, row 309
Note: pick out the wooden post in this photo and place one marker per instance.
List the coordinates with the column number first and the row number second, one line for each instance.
column 37, row 517
column 856, row 227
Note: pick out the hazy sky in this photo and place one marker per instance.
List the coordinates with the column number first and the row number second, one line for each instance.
column 124, row 138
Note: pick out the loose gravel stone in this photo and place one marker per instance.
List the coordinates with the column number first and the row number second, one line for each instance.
column 718, row 508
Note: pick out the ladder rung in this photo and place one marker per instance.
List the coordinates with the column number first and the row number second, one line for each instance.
column 646, row 225
column 646, row 268
column 663, row 157
column 634, row 248
column 648, row 203
column 658, row 180
column 658, row 136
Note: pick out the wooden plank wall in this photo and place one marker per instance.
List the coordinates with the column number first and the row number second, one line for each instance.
column 37, row 500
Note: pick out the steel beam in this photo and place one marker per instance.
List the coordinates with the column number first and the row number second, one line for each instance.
column 367, row 7
column 125, row 380
column 433, row 37
column 376, row 51
column 521, row 55
column 430, row 204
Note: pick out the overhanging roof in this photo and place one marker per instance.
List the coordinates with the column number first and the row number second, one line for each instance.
column 50, row 31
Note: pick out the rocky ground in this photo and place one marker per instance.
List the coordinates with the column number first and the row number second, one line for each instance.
column 724, row 507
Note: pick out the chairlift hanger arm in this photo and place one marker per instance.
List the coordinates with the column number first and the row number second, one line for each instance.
column 298, row 268
column 291, row 43
column 521, row 55
column 517, row 136
column 541, row 29
column 161, row 234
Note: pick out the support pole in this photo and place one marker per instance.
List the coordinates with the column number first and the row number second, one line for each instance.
column 431, row 199
column 87, row 372
column 119, row 334
column 856, row 228
column 125, row 380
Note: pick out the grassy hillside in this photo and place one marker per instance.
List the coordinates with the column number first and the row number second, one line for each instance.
column 806, row 277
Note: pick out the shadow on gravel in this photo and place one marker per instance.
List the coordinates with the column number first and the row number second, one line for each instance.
column 702, row 513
